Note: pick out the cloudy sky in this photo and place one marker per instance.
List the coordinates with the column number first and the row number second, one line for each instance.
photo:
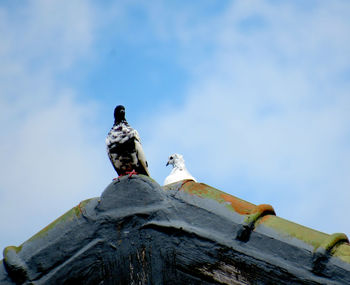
column 254, row 94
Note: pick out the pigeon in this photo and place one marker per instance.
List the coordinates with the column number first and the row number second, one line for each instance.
column 124, row 147
column 179, row 171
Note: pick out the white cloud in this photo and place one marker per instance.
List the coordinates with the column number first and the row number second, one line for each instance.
column 50, row 158
column 49, row 165
column 267, row 107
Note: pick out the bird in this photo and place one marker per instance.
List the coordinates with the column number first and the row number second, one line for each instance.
column 179, row 171
column 124, row 147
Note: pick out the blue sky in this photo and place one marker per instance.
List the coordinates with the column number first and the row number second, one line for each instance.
column 254, row 94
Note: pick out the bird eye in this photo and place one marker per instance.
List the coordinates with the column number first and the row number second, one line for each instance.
column 171, row 157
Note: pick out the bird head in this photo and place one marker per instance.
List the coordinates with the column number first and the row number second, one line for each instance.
column 175, row 160
column 119, row 114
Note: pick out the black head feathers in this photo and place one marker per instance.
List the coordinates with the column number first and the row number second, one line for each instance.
column 119, row 114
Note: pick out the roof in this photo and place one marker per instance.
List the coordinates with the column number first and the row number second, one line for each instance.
column 186, row 232
column 263, row 218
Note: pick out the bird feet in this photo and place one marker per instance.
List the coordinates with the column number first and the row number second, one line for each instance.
column 130, row 173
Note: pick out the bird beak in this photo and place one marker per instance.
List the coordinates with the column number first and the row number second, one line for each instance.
column 167, row 163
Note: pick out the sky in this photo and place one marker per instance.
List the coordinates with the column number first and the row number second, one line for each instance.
column 254, row 94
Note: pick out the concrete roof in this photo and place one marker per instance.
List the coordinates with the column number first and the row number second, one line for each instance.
column 140, row 233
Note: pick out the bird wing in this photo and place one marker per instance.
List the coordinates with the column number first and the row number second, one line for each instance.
column 189, row 176
column 141, row 158
column 169, row 179
column 140, row 154
column 178, row 175
column 118, row 141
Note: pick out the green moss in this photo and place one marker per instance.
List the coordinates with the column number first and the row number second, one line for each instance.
column 17, row 249
column 292, row 230
column 72, row 214
column 333, row 240
column 343, row 252
column 252, row 218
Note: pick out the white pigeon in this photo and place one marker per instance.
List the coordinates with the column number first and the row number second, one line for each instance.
column 179, row 171
column 124, row 147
